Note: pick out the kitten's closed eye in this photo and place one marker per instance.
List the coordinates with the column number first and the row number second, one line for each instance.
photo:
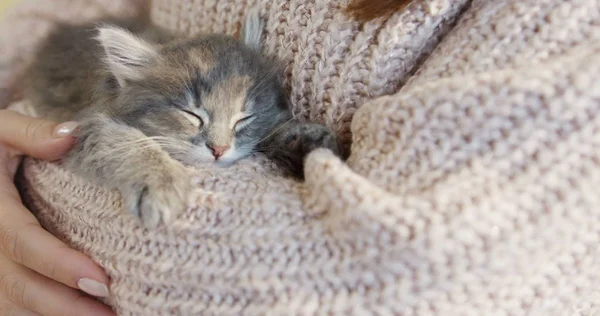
column 193, row 118
column 243, row 122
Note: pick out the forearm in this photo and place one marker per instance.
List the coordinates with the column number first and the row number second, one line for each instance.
column 108, row 152
column 111, row 153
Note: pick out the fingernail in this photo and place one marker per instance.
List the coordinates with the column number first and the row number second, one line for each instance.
column 93, row 288
column 65, row 129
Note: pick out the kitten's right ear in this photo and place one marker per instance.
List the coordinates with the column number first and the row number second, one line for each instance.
column 252, row 29
column 126, row 54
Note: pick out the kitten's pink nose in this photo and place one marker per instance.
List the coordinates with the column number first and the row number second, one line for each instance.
column 218, row 151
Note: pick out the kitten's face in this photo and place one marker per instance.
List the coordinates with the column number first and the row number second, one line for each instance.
column 212, row 98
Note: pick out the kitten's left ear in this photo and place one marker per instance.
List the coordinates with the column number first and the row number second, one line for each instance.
column 252, row 29
column 126, row 54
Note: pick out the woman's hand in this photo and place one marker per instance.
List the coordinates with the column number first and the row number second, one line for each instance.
column 39, row 275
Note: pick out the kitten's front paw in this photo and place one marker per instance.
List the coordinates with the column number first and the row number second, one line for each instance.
column 304, row 138
column 300, row 140
column 158, row 202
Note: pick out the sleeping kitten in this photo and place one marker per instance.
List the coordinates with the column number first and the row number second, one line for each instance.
column 148, row 101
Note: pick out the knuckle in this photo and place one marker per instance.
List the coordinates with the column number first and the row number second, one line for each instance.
column 7, row 309
column 13, row 285
column 9, row 242
column 32, row 128
column 37, row 129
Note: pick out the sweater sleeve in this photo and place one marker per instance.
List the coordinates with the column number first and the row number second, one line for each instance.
column 24, row 25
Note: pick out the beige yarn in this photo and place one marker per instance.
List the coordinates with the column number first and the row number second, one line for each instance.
column 473, row 190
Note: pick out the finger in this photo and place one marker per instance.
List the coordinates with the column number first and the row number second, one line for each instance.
column 8, row 167
column 23, row 240
column 36, row 137
column 7, row 308
column 9, row 160
column 39, row 294
column 12, row 165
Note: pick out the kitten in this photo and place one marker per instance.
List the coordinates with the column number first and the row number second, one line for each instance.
column 148, row 101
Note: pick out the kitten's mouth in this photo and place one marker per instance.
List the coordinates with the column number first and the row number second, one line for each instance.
column 198, row 157
column 224, row 162
column 203, row 162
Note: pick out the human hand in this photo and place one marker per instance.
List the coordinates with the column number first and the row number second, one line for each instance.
column 39, row 275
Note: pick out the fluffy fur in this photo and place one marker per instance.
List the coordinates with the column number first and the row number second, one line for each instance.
column 149, row 101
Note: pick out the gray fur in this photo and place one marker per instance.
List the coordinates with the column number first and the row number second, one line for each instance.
column 252, row 30
column 290, row 143
column 150, row 102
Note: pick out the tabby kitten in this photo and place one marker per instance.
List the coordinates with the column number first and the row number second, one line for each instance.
column 149, row 101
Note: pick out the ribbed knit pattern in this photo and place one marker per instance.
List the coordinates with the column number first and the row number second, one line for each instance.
column 474, row 189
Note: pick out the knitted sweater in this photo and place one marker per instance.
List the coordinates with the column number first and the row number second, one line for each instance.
column 472, row 187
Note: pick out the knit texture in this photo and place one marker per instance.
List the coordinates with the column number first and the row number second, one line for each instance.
column 470, row 190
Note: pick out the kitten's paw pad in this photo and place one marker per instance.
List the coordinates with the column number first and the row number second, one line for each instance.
column 158, row 203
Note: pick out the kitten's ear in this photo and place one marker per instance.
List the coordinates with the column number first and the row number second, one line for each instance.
column 252, row 29
column 126, row 54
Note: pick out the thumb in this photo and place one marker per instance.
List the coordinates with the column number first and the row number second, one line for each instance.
column 35, row 137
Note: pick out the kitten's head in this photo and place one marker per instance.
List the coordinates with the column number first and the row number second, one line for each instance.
column 213, row 98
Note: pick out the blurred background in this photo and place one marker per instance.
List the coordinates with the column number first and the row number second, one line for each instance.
column 5, row 4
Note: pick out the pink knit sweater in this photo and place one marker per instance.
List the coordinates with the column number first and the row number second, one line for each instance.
column 472, row 187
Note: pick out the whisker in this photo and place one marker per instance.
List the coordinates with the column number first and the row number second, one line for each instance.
column 277, row 129
column 166, row 143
